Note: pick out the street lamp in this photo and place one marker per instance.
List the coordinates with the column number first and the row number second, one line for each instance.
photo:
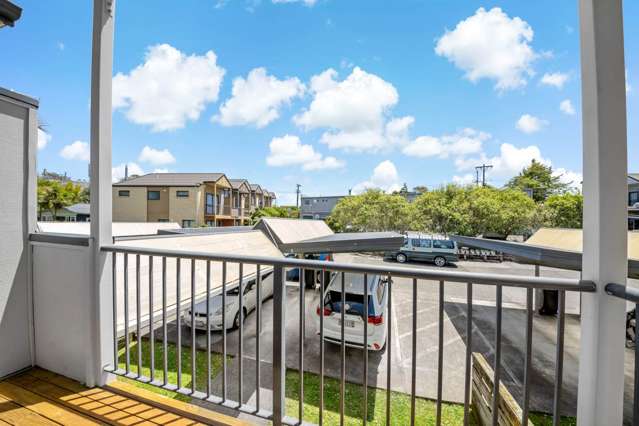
column 9, row 13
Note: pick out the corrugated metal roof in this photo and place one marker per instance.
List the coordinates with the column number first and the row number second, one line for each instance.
column 171, row 179
column 572, row 240
column 290, row 231
column 119, row 229
column 348, row 242
column 252, row 243
column 553, row 253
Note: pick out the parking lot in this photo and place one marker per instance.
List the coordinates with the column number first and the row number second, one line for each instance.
column 513, row 337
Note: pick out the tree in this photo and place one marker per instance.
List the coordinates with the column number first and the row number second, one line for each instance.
column 444, row 210
column 53, row 195
column 373, row 210
column 539, row 179
column 420, row 188
column 274, row 211
column 500, row 212
column 563, row 211
column 468, row 210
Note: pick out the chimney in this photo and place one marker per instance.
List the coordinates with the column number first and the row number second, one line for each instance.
column 126, row 171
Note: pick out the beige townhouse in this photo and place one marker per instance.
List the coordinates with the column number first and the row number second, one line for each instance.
column 190, row 199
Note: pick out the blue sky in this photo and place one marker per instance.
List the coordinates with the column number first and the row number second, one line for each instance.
column 331, row 94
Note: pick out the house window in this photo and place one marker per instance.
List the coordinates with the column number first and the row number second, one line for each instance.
column 182, row 194
column 210, row 223
column 188, row 223
column 163, row 220
column 209, row 203
column 124, row 193
column 633, row 197
column 153, row 195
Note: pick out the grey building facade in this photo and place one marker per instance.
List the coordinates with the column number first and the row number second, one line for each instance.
column 319, row 207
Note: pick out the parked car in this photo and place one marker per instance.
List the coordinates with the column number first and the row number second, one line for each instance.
column 356, row 311
column 232, row 310
column 311, row 276
column 425, row 248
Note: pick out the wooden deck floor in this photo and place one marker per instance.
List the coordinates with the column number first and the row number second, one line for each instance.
column 39, row 397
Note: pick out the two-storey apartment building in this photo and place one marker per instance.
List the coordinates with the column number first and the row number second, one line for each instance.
column 190, row 199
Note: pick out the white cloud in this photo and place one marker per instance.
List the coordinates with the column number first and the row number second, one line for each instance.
column 43, row 139
column 530, row 124
column 288, row 150
column 77, row 150
column 555, row 79
column 384, row 177
column 308, row 3
column 117, row 172
column 354, row 110
column 465, row 142
column 566, row 107
column 569, row 177
column 60, row 46
column 466, row 179
column 507, row 163
column 157, row 157
column 169, row 88
column 490, row 44
column 397, row 130
column 257, row 99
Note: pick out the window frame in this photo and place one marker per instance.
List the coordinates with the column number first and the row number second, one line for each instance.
column 148, row 195
column 121, row 193
column 181, row 193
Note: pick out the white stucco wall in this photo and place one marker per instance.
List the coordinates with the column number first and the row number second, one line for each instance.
column 18, row 135
column 62, row 309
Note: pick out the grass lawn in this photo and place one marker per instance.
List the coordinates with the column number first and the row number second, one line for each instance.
column 200, row 367
column 425, row 409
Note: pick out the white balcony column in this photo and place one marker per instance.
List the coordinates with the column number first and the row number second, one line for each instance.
column 601, row 360
column 101, row 198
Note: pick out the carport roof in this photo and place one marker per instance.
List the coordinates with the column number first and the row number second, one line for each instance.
column 349, row 242
column 544, row 250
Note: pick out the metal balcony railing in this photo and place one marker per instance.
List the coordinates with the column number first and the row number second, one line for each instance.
column 147, row 318
column 630, row 295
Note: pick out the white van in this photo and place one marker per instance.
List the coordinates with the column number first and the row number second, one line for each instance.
column 355, row 313
column 425, row 248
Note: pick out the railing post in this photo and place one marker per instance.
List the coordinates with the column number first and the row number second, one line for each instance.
column 101, row 197
column 279, row 345
column 601, row 360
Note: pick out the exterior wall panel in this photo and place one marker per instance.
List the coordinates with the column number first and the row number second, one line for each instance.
column 131, row 208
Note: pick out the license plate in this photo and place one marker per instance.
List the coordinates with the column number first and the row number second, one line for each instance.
column 347, row 323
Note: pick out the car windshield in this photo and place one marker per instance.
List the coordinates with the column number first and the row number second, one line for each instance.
column 354, row 303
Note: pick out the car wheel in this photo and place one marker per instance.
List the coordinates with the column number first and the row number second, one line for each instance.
column 236, row 321
column 440, row 261
column 401, row 258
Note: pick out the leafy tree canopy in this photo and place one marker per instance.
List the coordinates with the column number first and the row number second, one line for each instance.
column 54, row 195
column 275, row 211
column 373, row 210
column 539, row 179
column 563, row 211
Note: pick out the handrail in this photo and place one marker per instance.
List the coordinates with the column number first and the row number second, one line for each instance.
column 544, row 283
column 622, row 292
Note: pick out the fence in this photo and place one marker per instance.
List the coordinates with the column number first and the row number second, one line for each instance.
column 234, row 270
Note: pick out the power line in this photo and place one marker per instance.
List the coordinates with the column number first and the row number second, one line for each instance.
column 483, row 169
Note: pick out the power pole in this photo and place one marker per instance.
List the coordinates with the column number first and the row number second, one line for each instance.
column 483, row 168
column 297, row 195
column 476, row 176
